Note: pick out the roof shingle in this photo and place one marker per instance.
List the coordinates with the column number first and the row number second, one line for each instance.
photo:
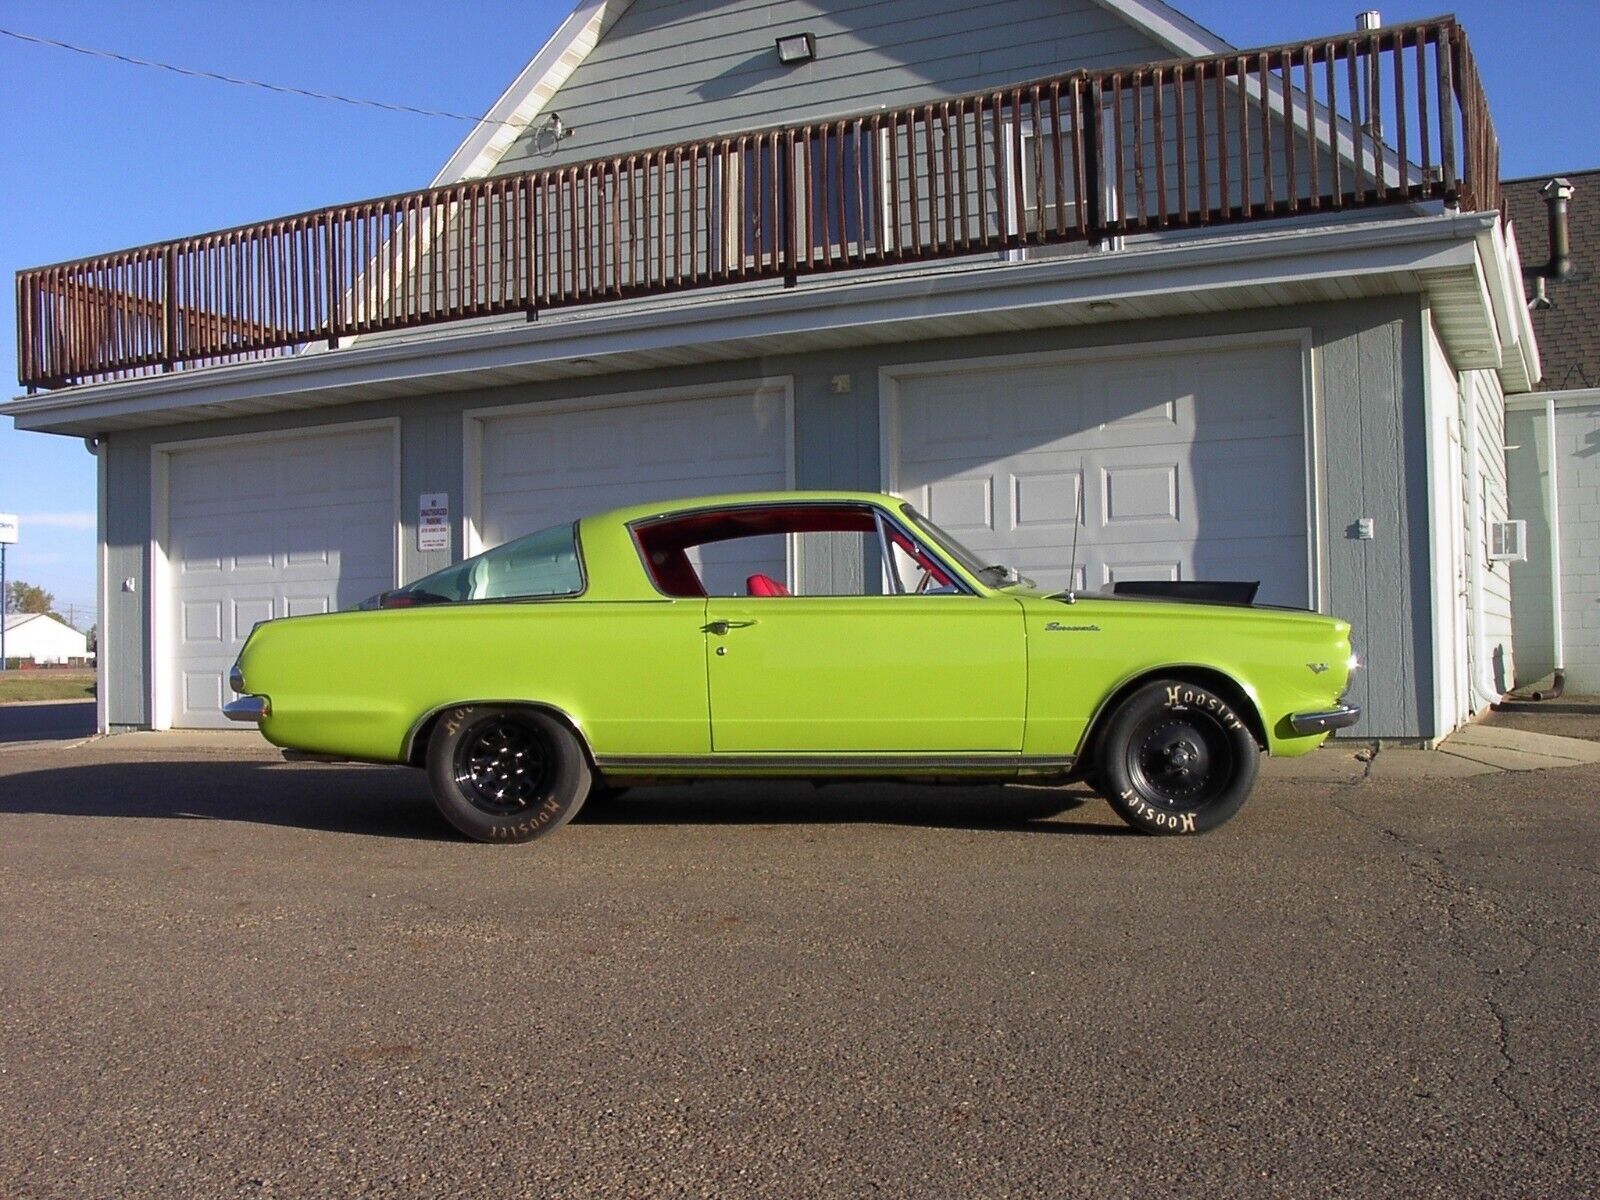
column 1569, row 331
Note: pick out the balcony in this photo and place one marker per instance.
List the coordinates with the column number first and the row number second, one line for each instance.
column 1394, row 116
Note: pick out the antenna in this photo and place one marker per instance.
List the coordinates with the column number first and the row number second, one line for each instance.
column 1077, row 524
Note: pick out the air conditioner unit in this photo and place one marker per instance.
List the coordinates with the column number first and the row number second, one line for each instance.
column 1508, row 541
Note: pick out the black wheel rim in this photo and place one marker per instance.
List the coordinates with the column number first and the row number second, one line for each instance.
column 503, row 765
column 1180, row 759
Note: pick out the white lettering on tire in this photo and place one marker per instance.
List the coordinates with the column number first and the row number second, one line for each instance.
column 1160, row 818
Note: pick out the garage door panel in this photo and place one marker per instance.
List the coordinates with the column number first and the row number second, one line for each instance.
column 200, row 698
column 962, row 504
column 247, row 614
column 258, row 530
column 1138, row 493
column 1123, row 572
column 1189, row 466
column 201, row 621
column 1045, row 501
column 1146, row 399
column 542, row 468
column 1254, row 395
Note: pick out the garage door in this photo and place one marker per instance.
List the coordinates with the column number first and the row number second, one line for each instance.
column 541, row 468
column 1190, row 466
column 263, row 529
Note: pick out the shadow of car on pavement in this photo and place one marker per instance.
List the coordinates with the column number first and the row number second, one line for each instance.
column 394, row 802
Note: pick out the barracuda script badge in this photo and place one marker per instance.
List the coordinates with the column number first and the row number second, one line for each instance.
column 1058, row 627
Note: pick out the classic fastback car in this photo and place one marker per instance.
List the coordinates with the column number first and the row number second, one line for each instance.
column 660, row 643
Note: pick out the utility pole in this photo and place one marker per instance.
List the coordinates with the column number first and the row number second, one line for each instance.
column 8, row 535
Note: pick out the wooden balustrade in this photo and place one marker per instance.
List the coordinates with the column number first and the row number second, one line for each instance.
column 1396, row 115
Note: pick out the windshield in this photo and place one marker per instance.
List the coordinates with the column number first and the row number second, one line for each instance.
column 991, row 573
column 542, row 564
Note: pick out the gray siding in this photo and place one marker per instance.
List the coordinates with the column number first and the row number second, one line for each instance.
column 1368, row 358
column 675, row 70
column 126, row 535
column 1373, row 443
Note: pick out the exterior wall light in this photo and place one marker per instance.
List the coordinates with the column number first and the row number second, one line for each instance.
column 796, row 48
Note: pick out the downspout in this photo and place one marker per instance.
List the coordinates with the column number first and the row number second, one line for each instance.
column 1557, row 194
column 1558, row 681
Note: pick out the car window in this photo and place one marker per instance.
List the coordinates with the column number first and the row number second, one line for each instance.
column 790, row 550
column 546, row 563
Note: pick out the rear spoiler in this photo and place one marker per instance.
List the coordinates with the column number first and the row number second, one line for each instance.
column 1197, row 591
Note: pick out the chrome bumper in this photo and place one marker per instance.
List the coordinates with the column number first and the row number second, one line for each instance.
column 247, row 708
column 1323, row 722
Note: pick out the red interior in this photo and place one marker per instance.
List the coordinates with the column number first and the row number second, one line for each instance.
column 764, row 585
column 941, row 577
column 665, row 543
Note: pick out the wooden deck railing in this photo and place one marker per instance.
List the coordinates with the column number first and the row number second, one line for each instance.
column 1394, row 115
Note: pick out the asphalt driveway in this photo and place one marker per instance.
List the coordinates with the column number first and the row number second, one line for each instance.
column 47, row 720
column 221, row 974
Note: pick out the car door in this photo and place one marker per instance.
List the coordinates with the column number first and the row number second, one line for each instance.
column 894, row 672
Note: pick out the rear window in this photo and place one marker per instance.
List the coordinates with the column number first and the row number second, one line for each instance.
column 542, row 564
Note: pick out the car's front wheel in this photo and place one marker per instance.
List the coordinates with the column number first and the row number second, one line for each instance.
column 1177, row 758
column 506, row 774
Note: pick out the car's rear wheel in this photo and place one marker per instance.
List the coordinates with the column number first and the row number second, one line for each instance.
column 1177, row 758
column 506, row 774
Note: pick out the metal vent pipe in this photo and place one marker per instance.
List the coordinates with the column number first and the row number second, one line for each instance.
column 1557, row 193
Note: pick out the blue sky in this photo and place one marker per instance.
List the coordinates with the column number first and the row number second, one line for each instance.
column 97, row 156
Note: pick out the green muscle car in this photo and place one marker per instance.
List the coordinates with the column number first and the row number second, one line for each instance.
column 659, row 643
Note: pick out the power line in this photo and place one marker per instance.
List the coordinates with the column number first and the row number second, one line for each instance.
column 237, row 81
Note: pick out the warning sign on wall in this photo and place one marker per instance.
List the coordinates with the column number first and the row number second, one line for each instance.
column 433, row 521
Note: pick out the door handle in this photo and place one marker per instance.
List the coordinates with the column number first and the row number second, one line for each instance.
column 720, row 628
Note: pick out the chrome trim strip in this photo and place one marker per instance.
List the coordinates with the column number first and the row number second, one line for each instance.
column 1322, row 722
column 247, row 708
column 875, row 764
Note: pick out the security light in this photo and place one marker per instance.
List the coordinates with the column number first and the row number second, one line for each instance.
column 796, row 48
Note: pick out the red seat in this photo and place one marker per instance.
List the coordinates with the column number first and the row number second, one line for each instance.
column 765, row 585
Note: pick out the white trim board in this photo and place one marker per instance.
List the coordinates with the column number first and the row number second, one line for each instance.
column 1568, row 398
column 890, row 377
column 1446, row 531
column 158, row 611
column 102, row 586
column 482, row 149
column 1178, row 33
column 473, row 421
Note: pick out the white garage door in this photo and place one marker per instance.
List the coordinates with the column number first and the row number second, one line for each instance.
column 545, row 467
column 263, row 529
column 1191, row 465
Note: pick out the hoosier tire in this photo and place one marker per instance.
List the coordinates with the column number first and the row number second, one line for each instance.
column 506, row 774
column 1177, row 758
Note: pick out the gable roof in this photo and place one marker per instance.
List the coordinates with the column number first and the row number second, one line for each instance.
column 482, row 149
column 1569, row 330
column 1184, row 37
column 15, row 619
column 531, row 90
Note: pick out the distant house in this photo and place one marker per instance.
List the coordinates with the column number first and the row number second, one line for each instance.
column 1064, row 272
column 40, row 638
column 1553, row 440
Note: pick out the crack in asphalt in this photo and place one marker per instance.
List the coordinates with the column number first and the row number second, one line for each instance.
column 1453, row 894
